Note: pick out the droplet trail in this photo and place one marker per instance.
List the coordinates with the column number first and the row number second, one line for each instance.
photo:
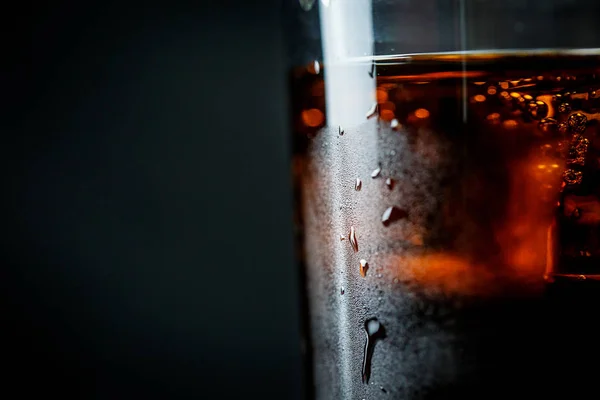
column 352, row 238
column 374, row 330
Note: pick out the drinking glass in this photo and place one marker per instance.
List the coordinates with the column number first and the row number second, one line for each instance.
column 447, row 196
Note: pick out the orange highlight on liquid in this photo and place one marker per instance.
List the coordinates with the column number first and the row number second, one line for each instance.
column 312, row 117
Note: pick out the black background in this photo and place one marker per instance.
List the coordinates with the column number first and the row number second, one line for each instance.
column 147, row 206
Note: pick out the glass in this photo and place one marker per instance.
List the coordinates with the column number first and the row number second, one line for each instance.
column 447, row 186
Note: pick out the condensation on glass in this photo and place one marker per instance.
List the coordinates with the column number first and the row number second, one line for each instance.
column 450, row 231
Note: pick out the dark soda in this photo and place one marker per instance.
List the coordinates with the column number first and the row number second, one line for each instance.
column 460, row 208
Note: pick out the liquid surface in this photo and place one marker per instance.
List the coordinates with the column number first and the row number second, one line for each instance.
column 471, row 183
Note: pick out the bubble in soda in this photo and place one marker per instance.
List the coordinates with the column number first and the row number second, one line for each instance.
column 547, row 124
column 577, row 122
column 572, row 177
column 564, row 108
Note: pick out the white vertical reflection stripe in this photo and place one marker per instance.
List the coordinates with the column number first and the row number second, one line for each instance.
column 347, row 34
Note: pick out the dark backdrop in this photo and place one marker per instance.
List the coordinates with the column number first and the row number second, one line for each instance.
column 147, row 209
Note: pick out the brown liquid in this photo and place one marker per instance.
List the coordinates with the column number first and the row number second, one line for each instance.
column 495, row 164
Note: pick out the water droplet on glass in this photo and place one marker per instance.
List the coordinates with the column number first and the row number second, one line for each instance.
column 374, row 330
column 342, row 238
column 392, row 152
column 395, row 280
column 572, row 177
column 307, row 5
column 382, row 389
column 372, row 111
column 376, row 172
column 352, row 238
column 392, row 214
column 340, row 130
column 564, row 108
column 389, row 182
column 316, row 67
column 342, row 291
column 577, row 122
column 358, row 185
column 576, row 214
column 394, row 124
column 363, row 267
